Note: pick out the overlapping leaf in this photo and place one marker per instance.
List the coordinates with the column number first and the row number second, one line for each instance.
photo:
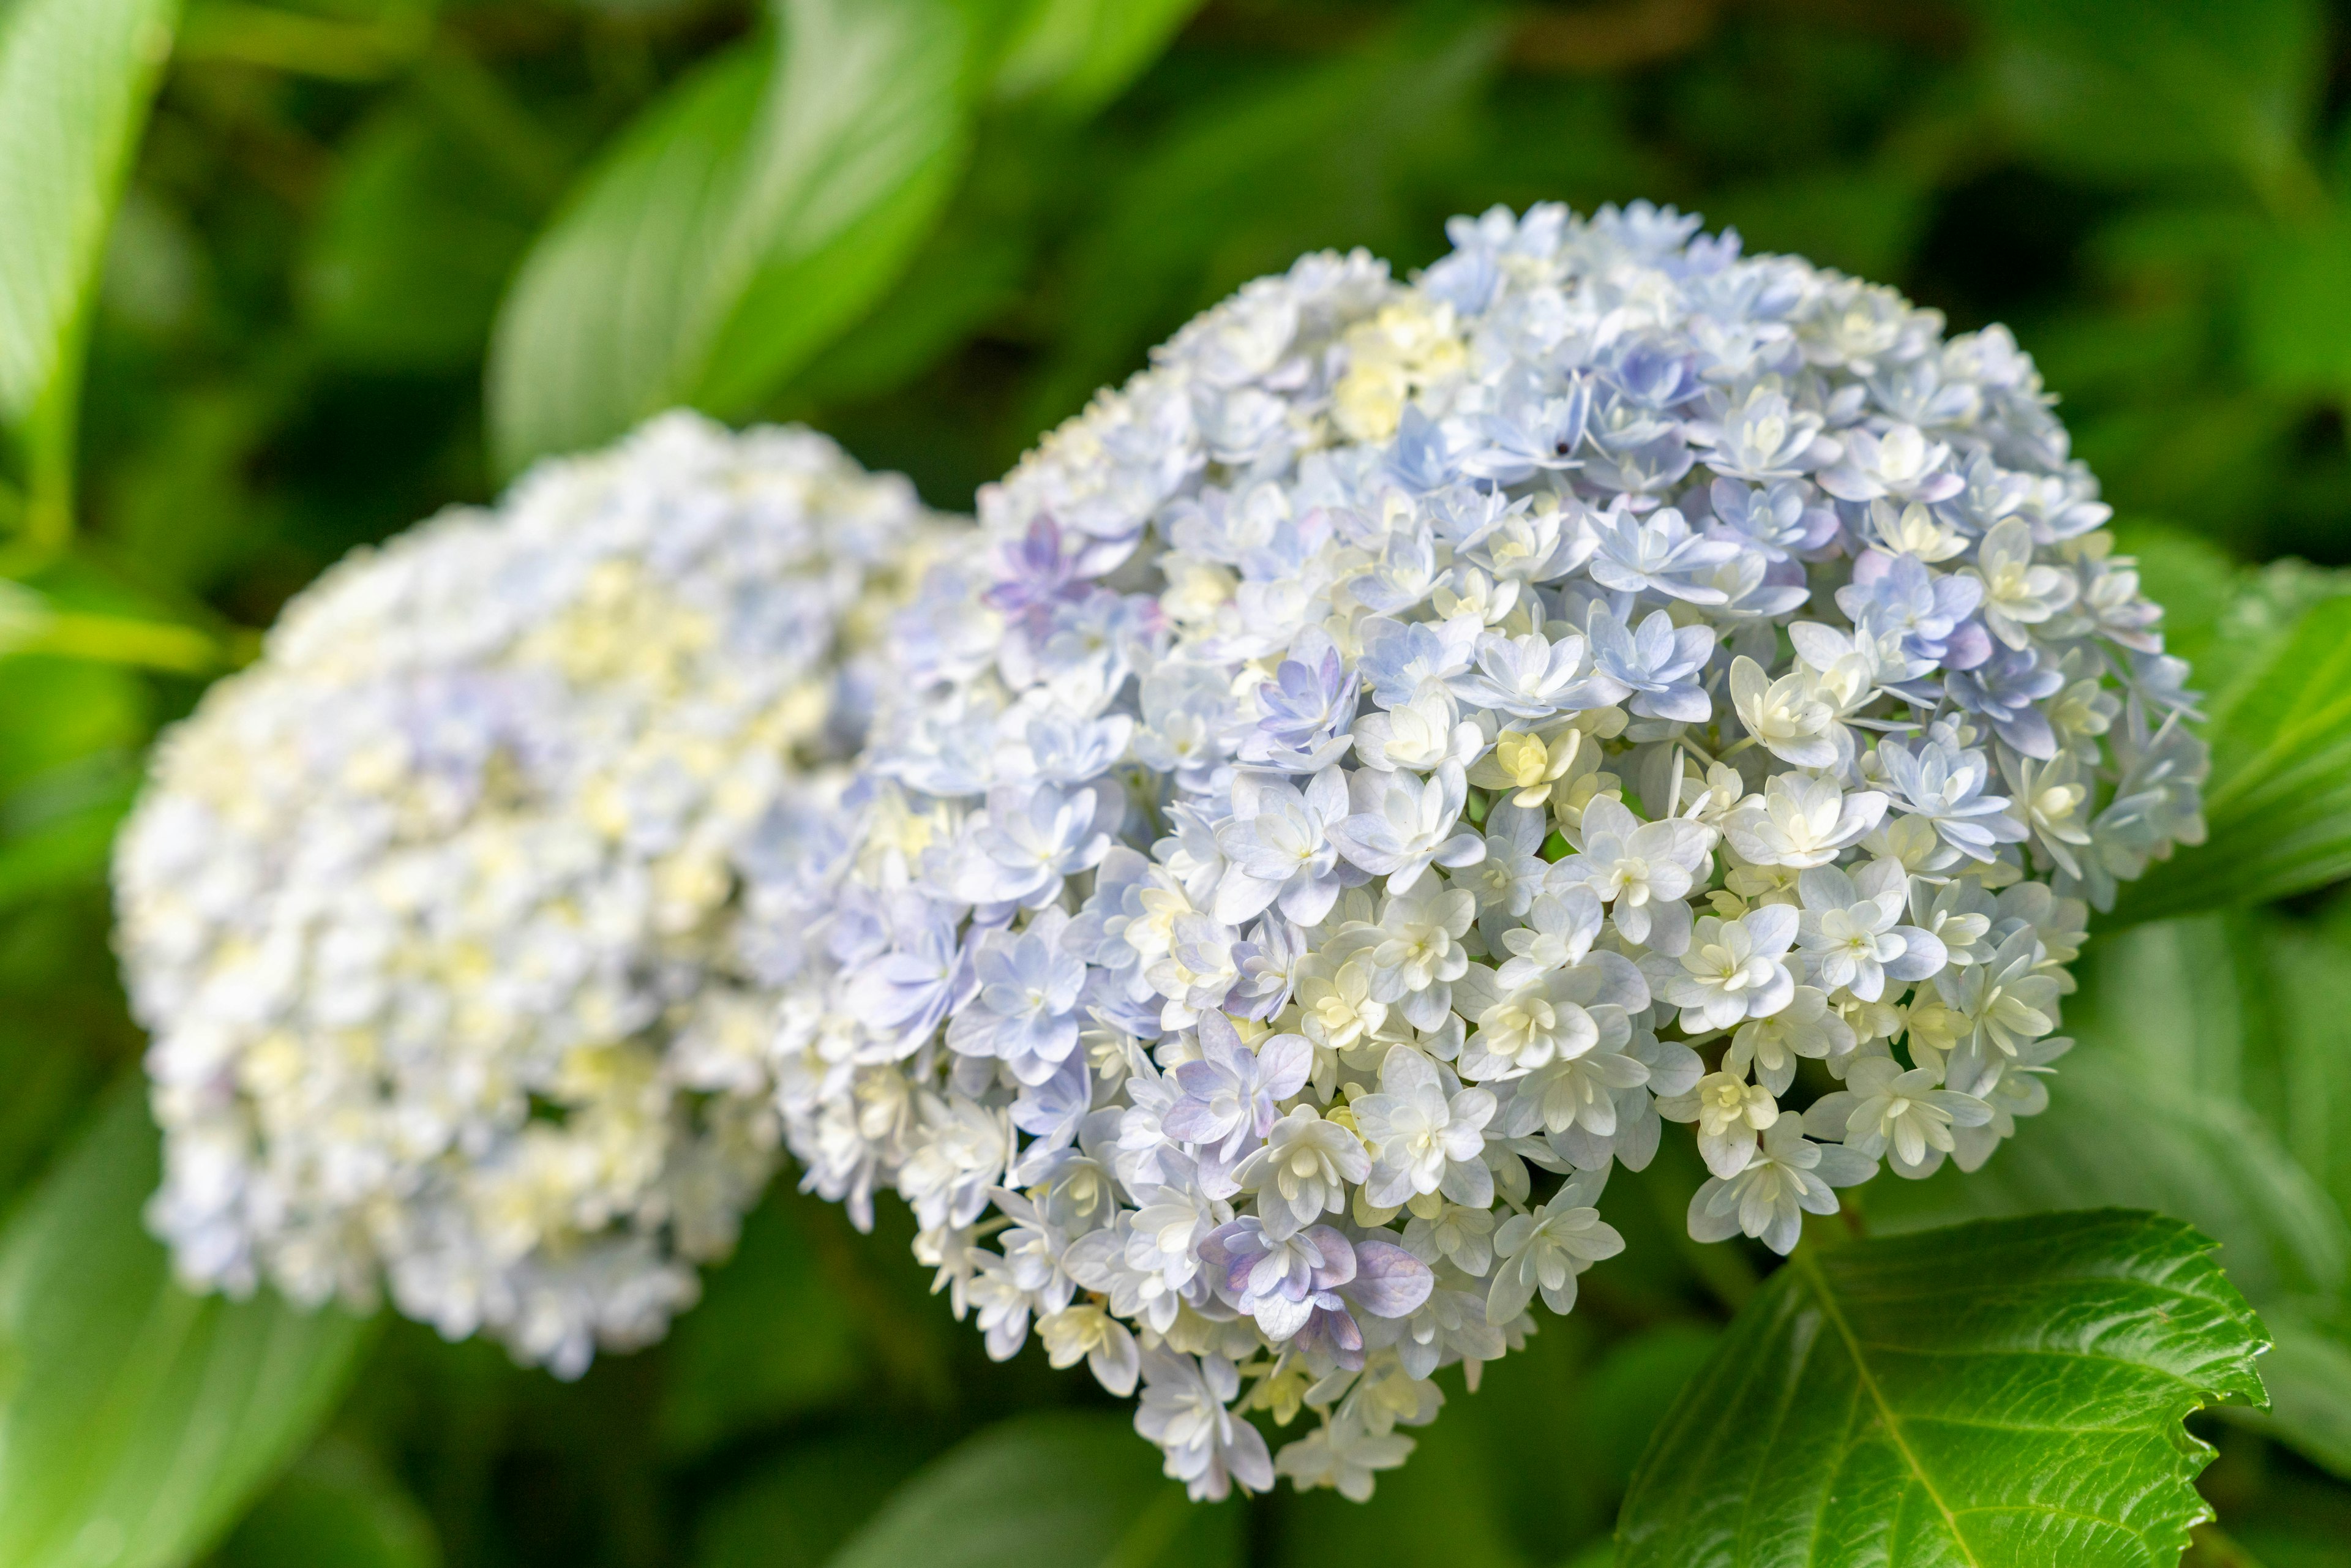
column 2005, row 1392
column 742, row 223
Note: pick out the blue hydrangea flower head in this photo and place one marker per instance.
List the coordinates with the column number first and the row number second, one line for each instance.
column 1609, row 684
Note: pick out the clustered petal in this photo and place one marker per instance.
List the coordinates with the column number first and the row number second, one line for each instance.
column 1418, row 739
column 439, row 914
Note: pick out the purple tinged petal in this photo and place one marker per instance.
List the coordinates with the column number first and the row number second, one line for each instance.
column 1285, row 1059
column 1389, row 1282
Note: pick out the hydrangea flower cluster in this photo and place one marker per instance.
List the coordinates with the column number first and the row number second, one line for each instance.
column 1413, row 741
column 437, row 914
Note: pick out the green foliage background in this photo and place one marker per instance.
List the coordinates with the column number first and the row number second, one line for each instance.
column 369, row 257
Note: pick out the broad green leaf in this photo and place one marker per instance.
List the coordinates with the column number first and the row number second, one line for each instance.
column 2244, row 1006
column 2308, row 994
column 1045, row 1491
column 2278, row 806
column 335, row 1506
column 972, row 268
column 1074, row 55
column 136, row 1419
column 746, row 219
column 2119, row 89
column 2007, row 1392
column 75, row 79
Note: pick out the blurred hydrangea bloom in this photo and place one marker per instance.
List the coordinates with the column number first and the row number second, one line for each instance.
column 1413, row 742
column 436, row 915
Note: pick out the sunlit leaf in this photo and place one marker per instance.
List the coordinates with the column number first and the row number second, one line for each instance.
column 2183, row 1023
column 1045, row 1491
column 2007, row 1392
column 135, row 1419
column 75, row 80
column 750, row 216
column 1074, row 55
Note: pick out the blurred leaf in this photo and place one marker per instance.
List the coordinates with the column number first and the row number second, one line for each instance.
column 798, row 1509
column 2005, row 1392
column 745, row 221
column 2308, row 1372
column 60, row 711
column 1074, row 55
column 1065, row 1491
column 337, row 1508
column 2121, row 89
column 972, row 268
column 75, row 80
column 2279, row 802
column 2297, row 308
column 136, row 1419
column 2307, row 975
column 413, row 243
column 1240, row 184
column 772, row 1337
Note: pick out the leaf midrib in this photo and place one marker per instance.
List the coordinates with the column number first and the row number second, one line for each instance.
column 1818, row 1283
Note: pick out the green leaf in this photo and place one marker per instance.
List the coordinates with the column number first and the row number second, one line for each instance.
column 1062, row 1490
column 2114, row 1136
column 76, row 77
column 2278, row 806
column 2116, row 89
column 337, row 1506
column 1241, row 184
column 135, row 1418
column 1074, row 55
column 2297, row 308
column 2307, row 984
column 743, row 222
column 2009, row 1392
column 2181, row 1023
